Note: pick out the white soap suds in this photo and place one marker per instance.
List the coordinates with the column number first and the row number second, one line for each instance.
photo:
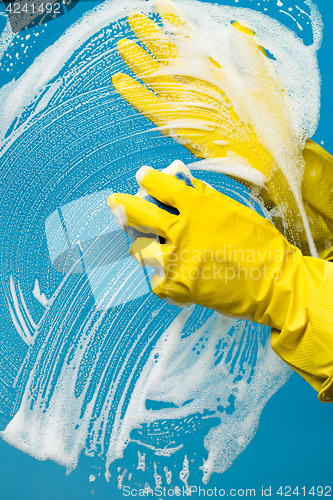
column 181, row 375
column 281, row 120
column 140, row 175
column 120, row 478
column 168, row 475
column 157, row 477
column 120, row 214
column 40, row 296
column 22, row 320
column 141, row 461
column 236, row 167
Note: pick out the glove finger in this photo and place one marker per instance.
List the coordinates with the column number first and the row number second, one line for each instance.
column 162, row 114
column 164, row 187
column 177, row 23
column 205, row 131
column 317, row 185
column 142, row 99
column 156, row 41
column 167, row 115
column 136, row 58
column 140, row 214
column 181, row 27
column 147, row 252
column 196, row 92
column 146, row 102
column 245, row 30
column 193, row 126
column 171, row 15
column 144, row 65
column 196, row 128
column 248, row 31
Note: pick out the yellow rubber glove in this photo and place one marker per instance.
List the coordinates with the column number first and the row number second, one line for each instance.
column 200, row 111
column 224, row 256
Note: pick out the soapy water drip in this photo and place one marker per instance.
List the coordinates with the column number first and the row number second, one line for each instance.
column 83, row 378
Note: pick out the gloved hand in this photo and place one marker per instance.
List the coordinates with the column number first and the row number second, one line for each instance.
column 223, row 255
column 192, row 99
column 197, row 113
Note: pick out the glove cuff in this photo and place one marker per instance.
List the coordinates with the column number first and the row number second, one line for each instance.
column 305, row 340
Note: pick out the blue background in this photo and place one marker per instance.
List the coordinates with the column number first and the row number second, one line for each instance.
column 293, row 444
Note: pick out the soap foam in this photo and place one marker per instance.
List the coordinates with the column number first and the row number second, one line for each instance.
column 85, row 387
column 259, row 90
